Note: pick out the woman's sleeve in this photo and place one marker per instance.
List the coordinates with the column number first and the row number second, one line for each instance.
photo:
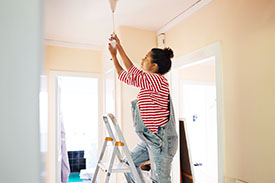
column 141, row 79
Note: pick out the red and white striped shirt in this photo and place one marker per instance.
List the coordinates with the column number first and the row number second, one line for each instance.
column 152, row 97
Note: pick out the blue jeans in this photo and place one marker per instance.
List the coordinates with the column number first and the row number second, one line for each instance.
column 158, row 148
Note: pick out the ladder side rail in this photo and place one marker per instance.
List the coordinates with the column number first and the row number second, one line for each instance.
column 109, row 129
column 99, row 160
column 116, row 127
column 125, row 149
column 108, row 126
column 126, row 177
column 109, row 169
column 131, row 164
column 111, row 163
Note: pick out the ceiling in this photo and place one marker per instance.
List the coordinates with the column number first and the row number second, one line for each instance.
column 89, row 22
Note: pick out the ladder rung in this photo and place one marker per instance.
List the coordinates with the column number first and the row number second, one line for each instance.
column 117, row 167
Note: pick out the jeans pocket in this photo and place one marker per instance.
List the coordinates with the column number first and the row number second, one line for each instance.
column 172, row 145
column 151, row 140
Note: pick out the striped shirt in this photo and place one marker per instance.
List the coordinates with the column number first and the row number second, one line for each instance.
column 152, row 97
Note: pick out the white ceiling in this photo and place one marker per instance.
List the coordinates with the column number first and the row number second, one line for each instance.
column 89, row 22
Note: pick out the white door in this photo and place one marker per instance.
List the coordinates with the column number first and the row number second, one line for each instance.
column 199, row 110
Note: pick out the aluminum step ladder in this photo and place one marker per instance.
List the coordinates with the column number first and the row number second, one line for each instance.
column 110, row 166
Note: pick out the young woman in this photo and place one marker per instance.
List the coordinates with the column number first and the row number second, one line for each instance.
column 152, row 112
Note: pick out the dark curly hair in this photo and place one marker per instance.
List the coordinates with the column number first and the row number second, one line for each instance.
column 162, row 57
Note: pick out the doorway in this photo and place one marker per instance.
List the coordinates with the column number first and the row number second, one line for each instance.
column 198, row 108
column 78, row 113
column 75, row 101
column 196, row 89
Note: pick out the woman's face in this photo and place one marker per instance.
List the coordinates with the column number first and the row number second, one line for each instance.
column 147, row 65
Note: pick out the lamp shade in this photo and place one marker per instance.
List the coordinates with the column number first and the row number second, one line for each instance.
column 113, row 5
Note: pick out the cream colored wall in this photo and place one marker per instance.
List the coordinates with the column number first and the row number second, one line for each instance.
column 73, row 59
column 246, row 30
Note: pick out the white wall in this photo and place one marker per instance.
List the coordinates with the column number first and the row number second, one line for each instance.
column 20, row 62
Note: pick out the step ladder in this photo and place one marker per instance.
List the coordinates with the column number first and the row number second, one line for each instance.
column 110, row 166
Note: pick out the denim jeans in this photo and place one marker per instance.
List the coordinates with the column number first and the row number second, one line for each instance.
column 158, row 148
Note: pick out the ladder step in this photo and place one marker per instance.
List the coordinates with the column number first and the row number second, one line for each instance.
column 117, row 167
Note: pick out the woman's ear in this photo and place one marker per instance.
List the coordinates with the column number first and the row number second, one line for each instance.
column 155, row 67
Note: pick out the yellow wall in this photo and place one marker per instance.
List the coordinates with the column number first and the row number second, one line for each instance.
column 73, row 59
column 137, row 42
column 246, row 30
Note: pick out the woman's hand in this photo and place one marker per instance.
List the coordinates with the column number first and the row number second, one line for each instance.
column 127, row 62
column 114, row 37
column 112, row 50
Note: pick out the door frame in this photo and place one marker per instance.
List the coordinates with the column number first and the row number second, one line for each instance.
column 197, row 56
column 54, row 127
